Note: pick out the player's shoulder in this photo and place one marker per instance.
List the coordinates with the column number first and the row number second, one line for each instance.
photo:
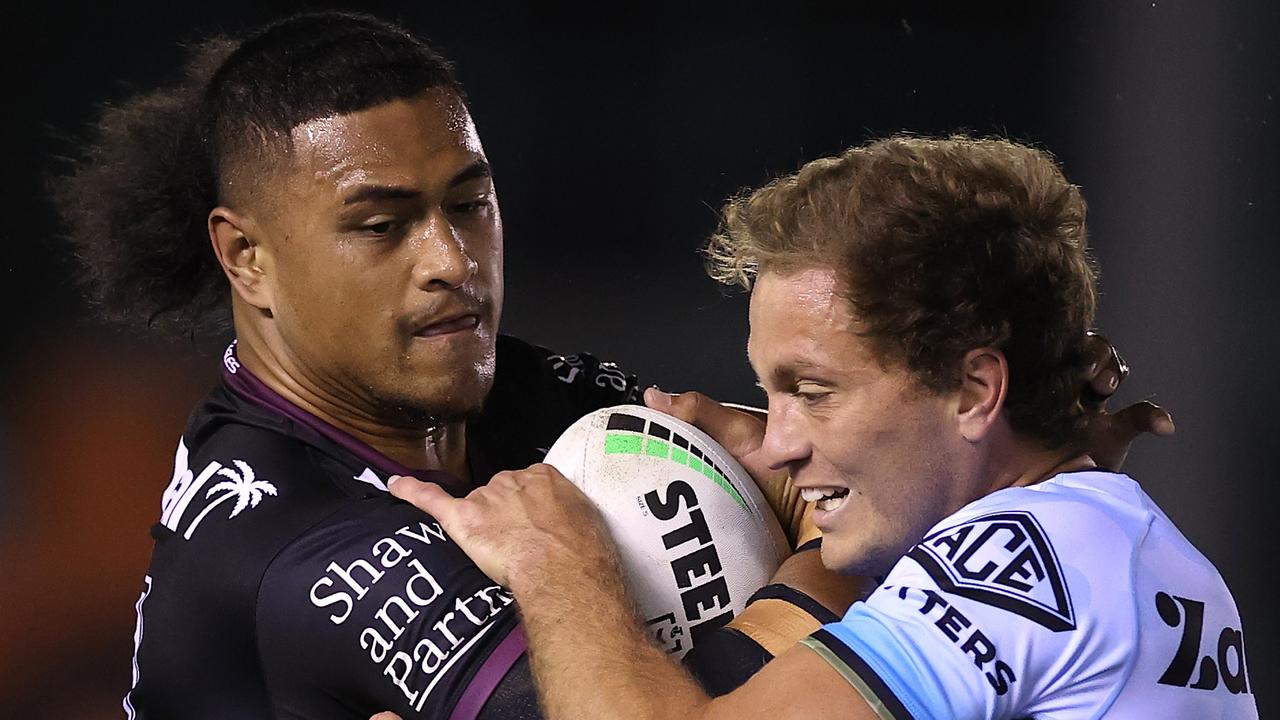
column 1074, row 518
column 225, row 423
column 530, row 367
column 240, row 474
column 1022, row 600
column 377, row 605
column 1032, row 601
column 1058, row 555
column 538, row 393
column 1075, row 506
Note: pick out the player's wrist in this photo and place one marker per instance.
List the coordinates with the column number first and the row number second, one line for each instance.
column 590, row 559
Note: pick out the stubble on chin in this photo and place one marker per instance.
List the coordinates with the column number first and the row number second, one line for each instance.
column 427, row 417
column 460, row 400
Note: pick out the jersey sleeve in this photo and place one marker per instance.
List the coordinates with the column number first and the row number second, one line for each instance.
column 984, row 619
column 906, row 655
column 538, row 393
column 379, row 610
column 573, row 384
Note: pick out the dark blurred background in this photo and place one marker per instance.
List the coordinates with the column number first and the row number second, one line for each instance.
column 615, row 137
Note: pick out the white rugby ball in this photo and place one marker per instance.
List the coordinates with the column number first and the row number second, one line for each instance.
column 695, row 535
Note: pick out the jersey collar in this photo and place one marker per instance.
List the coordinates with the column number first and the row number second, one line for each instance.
column 250, row 388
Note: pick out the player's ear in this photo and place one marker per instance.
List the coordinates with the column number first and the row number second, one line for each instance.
column 984, row 384
column 245, row 261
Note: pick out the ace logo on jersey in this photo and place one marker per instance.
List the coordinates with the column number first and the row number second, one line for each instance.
column 1003, row 559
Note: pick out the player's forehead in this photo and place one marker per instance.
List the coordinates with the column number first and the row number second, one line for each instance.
column 431, row 134
column 801, row 321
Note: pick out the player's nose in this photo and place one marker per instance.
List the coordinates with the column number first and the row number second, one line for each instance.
column 441, row 257
column 784, row 442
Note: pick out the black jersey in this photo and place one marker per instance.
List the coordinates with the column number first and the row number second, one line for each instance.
column 286, row 582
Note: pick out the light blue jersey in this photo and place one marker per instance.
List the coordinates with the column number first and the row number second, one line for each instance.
column 1072, row 598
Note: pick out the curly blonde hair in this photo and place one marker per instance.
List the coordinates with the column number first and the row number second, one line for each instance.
column 943, row 246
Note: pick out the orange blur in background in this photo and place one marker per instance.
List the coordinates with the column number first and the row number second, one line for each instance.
column 94, row 425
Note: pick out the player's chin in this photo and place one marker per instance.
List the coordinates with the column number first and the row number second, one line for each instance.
column 460, row 397
column 852, row 553
column 836, row 557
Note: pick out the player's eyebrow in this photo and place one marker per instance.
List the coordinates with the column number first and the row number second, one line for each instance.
column 796, row 366
column 382, row 192
column 787, row 373
column 364, row 193
column 477, row 169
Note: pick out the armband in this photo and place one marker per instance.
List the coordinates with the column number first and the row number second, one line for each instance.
column 777, row 616
column 724, row 659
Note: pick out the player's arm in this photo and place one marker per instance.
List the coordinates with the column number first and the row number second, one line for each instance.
column 799, row 684
column 776, row 616
column 535, row 532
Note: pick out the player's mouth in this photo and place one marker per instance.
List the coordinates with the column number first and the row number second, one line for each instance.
column 825, row 499
column 448, row 326
column 450, row 320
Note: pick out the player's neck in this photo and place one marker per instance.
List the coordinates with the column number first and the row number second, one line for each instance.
column 439, row 447
column 1019, row 461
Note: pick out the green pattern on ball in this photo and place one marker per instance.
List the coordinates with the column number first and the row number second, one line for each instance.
column 618, row 443
column 621, row 443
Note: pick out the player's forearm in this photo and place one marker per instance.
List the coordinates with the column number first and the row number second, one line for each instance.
column 805, row 572
column 802, row 596
column 589, row 657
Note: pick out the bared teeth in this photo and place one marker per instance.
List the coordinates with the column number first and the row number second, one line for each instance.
column 821, row 493
column 832, row 503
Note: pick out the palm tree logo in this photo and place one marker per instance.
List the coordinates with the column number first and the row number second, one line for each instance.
column 243, row 486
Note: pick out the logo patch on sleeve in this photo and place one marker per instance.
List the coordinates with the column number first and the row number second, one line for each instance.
column 1003, row 559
